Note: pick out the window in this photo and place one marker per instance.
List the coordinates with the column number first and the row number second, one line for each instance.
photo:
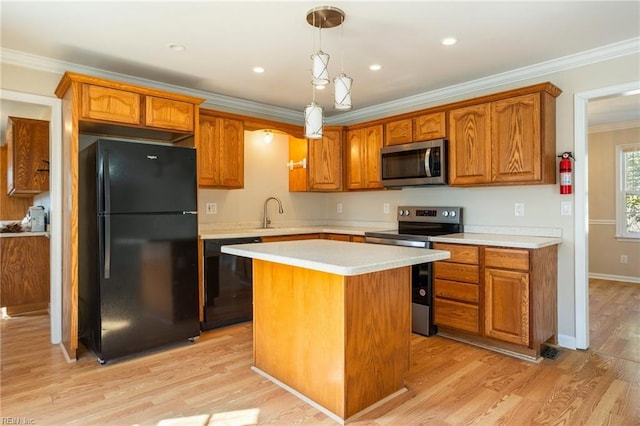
column 628, row 190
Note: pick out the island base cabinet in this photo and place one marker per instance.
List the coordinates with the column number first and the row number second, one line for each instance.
column 341, row 341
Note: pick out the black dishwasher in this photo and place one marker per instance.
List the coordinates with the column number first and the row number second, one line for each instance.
column 228, row 295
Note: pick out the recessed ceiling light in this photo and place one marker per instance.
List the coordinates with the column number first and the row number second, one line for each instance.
column 375, row 67
column 449, row 41
column 258, row 70
column 176, row 47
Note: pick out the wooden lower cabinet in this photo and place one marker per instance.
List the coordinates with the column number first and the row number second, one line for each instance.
column 273, row 238
column 24, row 276
column 511, row 307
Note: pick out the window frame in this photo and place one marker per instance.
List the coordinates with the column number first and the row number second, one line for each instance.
column 621, row 210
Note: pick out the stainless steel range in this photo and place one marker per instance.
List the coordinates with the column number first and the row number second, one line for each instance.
column 416, row 224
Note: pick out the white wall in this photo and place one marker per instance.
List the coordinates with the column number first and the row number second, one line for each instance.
column 265, row 176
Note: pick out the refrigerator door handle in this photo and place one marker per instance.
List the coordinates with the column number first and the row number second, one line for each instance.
column 106, row 182
column 107, row 247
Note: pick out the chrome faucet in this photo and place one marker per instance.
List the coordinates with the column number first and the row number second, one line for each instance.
column 265, row 219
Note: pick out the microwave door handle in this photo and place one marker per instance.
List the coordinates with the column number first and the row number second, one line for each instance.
column 427, row 161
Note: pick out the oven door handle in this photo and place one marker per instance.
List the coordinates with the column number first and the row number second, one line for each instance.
column 427, row 161
column 389, row 242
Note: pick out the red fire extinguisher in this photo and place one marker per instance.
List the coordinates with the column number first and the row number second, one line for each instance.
column 565, row 173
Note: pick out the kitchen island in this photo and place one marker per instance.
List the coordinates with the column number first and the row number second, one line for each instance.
column 332, row 319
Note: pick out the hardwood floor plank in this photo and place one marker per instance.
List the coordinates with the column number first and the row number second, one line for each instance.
column 449, row 383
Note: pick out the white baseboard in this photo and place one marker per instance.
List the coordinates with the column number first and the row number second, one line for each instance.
column 623, row 278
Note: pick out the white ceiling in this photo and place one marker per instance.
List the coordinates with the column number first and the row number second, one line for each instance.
column 224, row 40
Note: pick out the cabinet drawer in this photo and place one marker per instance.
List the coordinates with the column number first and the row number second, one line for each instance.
column 506, row 258
column 456, row 315
column 460, row 253
column 169, row 114
column 454, row 290
column 456, row 272
column 103, row 103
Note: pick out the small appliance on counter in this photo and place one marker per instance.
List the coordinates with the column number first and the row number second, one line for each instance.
column 37, row 218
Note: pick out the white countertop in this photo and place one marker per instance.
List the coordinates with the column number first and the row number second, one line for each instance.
column 23, row 234
column 262, row 232
column 336, row 257
column 500, row 240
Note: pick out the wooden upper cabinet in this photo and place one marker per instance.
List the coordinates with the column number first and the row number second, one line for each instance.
column 169, row 114
column 515, row 139
column 363, row 157
column 470, row 145
column 429, row 126
column 104, row 103
column 27, row 156
column 324, row 162
column 220, row 152
column 509, row 140
column 416, row 129
column 298, row 151
column 398, row 132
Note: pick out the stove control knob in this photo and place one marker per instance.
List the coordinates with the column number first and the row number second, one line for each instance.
column 407, row 213
column 400, row 212
column 452, row 213
column 422, row 292
column 445, row 213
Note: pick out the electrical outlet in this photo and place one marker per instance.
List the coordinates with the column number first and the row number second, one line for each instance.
column 339, row 208
column 385, row 208
column 518, row 209
column 212, row 208
column 624, row 258
column 565, row 208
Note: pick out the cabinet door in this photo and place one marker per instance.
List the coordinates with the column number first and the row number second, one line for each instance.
column 516, row 147
column 325, row 161
column 27, row 156
column 470, row 145
column 208, row 150
column 355, row 159
column 232, row 154
column 373, row 144
column 169, row 114
column 103, row 103
column 429, row 126
column 506, row 303
column 220, row 152
column 398, row 132
column 24, row 281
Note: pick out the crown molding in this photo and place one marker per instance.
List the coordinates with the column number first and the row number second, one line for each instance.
column 604, row 53
column 212, row 100
column 610, row 127
column 241, row 106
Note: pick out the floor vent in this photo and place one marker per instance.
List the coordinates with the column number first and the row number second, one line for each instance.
column 549, row 352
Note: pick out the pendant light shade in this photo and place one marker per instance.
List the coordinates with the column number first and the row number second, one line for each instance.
column 320, row 70
column 342, row 91
column 313, row 121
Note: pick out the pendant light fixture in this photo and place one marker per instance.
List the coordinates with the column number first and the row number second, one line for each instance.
column 325, row 17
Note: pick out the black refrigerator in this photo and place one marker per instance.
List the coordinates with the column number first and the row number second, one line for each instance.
column 138, row 247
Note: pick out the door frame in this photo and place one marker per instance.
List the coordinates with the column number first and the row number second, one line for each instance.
column 581, row 222
column 55, row 197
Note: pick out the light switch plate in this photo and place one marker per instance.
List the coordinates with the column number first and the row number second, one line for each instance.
column 565, row 208
column 211, row 208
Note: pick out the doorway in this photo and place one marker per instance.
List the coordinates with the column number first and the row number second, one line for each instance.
column 23, row 102
column 581, row 223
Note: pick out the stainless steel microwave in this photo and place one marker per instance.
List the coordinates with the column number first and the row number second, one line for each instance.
column 414, row 164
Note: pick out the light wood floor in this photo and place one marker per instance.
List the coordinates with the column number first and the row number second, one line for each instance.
column 449, row 383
